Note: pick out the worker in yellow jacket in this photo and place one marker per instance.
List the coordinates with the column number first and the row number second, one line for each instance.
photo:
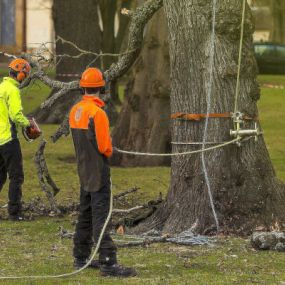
column 11, row 116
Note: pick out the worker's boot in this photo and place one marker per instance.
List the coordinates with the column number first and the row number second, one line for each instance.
column 79, row 263
column 117, row 270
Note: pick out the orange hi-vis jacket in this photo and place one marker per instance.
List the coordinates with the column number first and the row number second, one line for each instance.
column 92, row 142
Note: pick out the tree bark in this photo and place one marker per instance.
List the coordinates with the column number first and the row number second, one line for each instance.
column 143, row 123
column 245, row 188
column 75, row 23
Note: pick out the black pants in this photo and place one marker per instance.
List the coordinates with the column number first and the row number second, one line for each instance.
column 94, row 208
column 11, row 163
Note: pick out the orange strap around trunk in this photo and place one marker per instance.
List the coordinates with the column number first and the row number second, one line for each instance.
column 199, row 117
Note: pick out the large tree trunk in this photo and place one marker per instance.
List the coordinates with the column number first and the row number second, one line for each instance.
column 76, row 22
column 245, row 188
column 143, row 123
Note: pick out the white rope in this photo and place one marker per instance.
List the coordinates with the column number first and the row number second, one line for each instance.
column 239, row 57
column 195, row 143
column 82, row 268
column 177, row 153
column 209, row 106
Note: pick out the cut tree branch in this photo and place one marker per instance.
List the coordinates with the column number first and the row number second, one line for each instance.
column 62, row 130
column 51, row 100
column 46, row 182
column 125, row 193
column 139, row 19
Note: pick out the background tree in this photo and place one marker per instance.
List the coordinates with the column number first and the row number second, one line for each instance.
column 143, row 122
column 246, row 190
column 84, row 32
column 270, row 16
column 278, row 10
column 75, row 23
column 113, row 34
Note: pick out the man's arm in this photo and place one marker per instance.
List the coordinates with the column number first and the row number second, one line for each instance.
column 102, row 131
column 15, row 109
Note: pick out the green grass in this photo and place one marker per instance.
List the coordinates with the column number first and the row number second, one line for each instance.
column 271, row 79
column 35, row 248
column 272, row 115
column 39, row 250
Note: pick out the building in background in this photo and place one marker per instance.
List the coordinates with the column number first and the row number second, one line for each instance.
column 263, row 23
column 25, row 24
column 12, row 25
column 39, row 23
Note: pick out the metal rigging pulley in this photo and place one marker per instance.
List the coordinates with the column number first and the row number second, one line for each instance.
column 239, row 132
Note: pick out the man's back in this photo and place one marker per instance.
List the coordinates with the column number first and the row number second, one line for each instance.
column 90, row 132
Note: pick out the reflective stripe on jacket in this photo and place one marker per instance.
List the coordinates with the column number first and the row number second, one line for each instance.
column 92, row 142
column 11, row 110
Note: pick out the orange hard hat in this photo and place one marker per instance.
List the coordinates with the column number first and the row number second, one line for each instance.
column 92, row 77
column 21, row 66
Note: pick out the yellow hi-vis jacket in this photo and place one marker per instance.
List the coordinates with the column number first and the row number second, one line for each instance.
column 11, row 110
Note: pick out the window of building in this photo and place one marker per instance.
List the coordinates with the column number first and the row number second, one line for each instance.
column 7, row 22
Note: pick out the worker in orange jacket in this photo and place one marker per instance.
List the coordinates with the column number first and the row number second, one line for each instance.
column 90, row 132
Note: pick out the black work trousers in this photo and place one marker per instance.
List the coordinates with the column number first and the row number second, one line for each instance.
column 94, row 208
column 11, row 163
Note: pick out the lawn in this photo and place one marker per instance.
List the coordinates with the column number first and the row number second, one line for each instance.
column 35, row 247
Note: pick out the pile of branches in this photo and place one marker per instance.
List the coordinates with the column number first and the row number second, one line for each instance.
column 187, row 238
column 125, row 213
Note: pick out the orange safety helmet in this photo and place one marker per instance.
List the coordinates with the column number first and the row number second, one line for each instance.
column 92, row 77
column 22, row 67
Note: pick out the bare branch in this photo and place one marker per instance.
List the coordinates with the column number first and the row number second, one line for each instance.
column 62, row 130
column 46, row 182
column 7, row 55
column 51, row 100
column 127, row 211
column 125, row 193
column 86, row 52
column 139, row 19
column 56, row 84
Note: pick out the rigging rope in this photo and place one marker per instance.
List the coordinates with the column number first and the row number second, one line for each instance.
column 239, row 57
column 209, row 106
column 177, row 153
